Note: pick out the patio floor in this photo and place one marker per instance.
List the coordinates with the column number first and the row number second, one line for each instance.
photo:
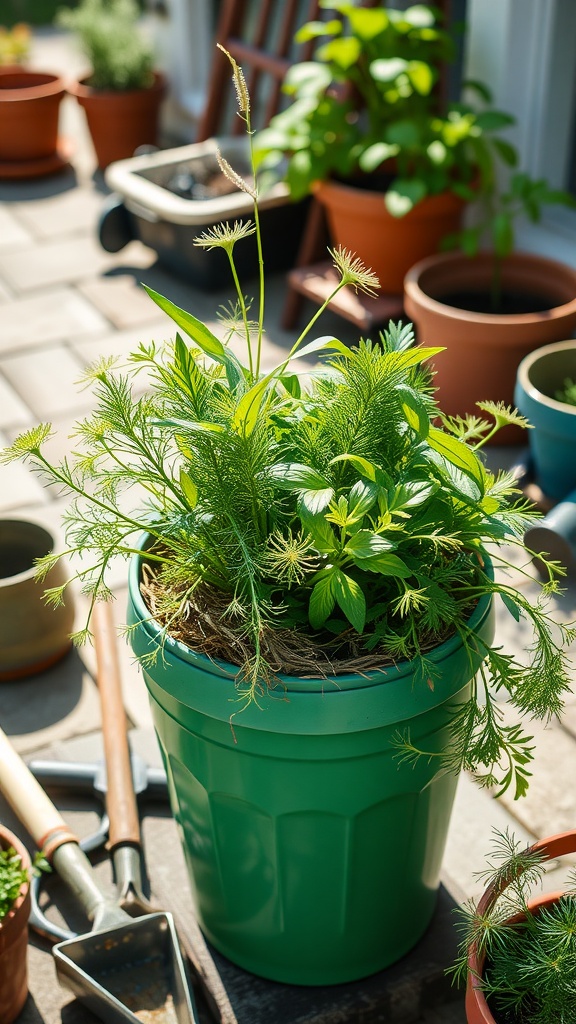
column 64, row 302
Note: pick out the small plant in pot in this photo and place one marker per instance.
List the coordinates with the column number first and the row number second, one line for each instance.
column 122, row 94
column 494, row 306
column 15, row 873
column 369, row 134
column 311, row 597
column 518, row 952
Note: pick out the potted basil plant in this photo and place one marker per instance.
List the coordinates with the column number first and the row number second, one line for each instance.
column 313, row 573
column 518, row 951
column 367, row 132
column 122, row 94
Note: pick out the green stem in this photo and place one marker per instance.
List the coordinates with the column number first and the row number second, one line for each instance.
column 317, row 315
column 260, row 253
column 244, row 312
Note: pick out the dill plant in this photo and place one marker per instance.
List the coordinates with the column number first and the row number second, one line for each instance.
column 529, row 972
column 309, row 528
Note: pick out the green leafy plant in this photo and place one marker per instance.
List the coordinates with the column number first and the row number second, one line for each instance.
column 14, row 44
column 369, row 103
column 309, row 526
column 567, row 393
column 109, row 35
column 530, row 954
column 13, row 876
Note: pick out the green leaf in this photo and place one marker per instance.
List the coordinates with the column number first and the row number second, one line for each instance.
column 307, row 78
column 367, row 24
column 368, row 469
column 387, row 565
column 201, row 335
column 414, row 410
column 458, row 454
column 247, row 411
column 404, row 194
column 350, row 599
column 421, row 76
column 506, row 151
column 322, row 601
column 361, row 499
column 294, row 476
column 316, row 30
column 412, row 494
column 403, row 133
column 322, row 534
column 375, row 155
column 388, row 69
column 367, row 544
column 479, row 88
column 494, row 120
column 419, row 16
column 511, row 606
column 189, row 488
column 343, row 52
column 315, row 501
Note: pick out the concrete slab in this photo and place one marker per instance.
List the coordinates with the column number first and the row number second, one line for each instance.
column 12, row 233
column 18, row 486
column 14, row 413
column 120, row 299
column 47, row 381
column 72, row 212
column 49, row 316
column 64, row 261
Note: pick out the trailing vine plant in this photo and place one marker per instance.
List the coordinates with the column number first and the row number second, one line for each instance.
column 308, row 527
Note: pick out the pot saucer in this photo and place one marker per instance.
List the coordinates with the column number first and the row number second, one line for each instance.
column 37, row 168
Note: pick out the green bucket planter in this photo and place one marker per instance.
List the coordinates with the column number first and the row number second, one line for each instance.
column 314, row 855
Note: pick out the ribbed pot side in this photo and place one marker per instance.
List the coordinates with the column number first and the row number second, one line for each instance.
column 314, row 854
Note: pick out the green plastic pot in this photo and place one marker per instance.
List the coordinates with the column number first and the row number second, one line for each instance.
column 314, row 854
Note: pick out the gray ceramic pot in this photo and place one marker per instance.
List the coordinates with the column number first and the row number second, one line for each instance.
column 33, row 635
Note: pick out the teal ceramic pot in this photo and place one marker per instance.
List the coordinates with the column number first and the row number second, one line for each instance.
column 314, row 854
column 553, row 437
column 555, row 535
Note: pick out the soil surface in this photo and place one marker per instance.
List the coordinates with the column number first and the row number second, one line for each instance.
column 512, row 302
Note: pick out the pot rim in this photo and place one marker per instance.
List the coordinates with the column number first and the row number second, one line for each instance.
column 531, row 390
column 26, row 574
column 7, row 925
column 303, row 684
column 414, row 290
column 79, row 88
column 55, row 86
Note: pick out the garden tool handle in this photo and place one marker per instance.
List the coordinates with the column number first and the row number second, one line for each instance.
column 121, row 801
column 29, row 801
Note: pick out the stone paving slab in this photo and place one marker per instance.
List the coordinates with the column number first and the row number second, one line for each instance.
column 70, row 212
column 46, row 380
column 14, row 413
column 52, row 315
column 64, row 261
column 12, row 233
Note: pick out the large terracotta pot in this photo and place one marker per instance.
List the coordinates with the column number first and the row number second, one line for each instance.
column 14, row 941
column 477, row 1009
column 359, row 221
column 120, row 122
column 29, row 110
column 483, row 350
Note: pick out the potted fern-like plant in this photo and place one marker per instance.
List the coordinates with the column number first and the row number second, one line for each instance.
column 122, row 93
column 518, row 951
column 312, row 582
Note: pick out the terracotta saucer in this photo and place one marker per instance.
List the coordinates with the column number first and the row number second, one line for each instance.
column 57, row 161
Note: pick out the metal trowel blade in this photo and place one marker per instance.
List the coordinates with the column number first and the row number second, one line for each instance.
column 130, row 974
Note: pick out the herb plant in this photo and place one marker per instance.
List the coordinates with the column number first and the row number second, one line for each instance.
column 567, row 393
column 109, row 35
column 13, row 876
column 308, row 527
column 369, row 102
column 530, row 965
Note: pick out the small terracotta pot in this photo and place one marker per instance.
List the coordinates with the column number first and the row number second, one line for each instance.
column 477, row 1009
column 483, row 350
column 120, row 122
column 29, row 109
column 33, row 635
column 14, row 941
column 359, row 221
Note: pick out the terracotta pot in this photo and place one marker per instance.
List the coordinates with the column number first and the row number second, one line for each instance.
column 33, row 635
column 14, row 941
column 483, row 350
column 120, row 122
column 29, row 109
column 359, row 220
column 477, row 1009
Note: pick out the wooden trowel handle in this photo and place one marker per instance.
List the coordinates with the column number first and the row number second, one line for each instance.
column 29, row 801
column 121, row 802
